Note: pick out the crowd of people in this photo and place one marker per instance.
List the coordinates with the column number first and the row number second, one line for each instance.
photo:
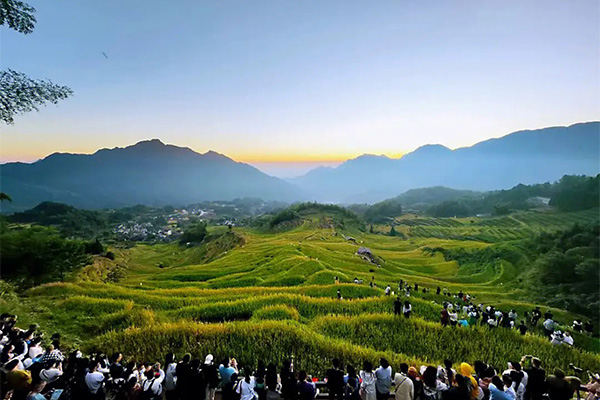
column 459, row 309
column 32, row 372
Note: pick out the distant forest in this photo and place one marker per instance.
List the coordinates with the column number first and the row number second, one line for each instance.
column 570, row 193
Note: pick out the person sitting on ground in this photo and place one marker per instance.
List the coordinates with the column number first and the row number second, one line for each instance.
column 568, row 339
column 406, row 309
column 404, row 388
column 383, row 374
column 388, row 290
column 368, row 379
column 335, row 380
column 556, row 338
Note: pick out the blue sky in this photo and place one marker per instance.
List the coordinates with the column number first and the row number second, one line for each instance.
column 301, row 83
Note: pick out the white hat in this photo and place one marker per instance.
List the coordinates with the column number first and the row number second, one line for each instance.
column 208, row 359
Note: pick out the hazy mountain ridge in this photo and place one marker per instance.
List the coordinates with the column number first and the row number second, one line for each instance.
column 527, row 157
column 153, row 173
column 148, row 172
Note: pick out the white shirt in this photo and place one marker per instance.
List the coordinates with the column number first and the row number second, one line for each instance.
column 368, row 381
column 35, row 351
column 246, row 390
column 93, row 381
column 406, row 309
column 50, row 375
column 404, row 389
column 510, row 391
column 568, row 340
column 154, row 384
column 520, row 390
column 170, row 378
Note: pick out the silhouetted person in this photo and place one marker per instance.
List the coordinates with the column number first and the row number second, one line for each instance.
column 335, row 380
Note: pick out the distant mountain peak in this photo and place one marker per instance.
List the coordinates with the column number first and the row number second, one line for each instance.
column 367, row 156
column 149, row 142
column 432, row 148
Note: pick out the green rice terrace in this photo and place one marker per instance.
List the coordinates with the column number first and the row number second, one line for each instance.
column 268, row 293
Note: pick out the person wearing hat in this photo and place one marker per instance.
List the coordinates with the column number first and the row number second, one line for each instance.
column 211, row 375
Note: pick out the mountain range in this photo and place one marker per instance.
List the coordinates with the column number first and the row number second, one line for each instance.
column 526, row 157
column 153, row 173
column 149, row 172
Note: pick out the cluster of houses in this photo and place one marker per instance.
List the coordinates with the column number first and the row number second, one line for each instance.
column 147, row 231
column 168, row 226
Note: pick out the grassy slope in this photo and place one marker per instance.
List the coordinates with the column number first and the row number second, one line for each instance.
column 289, row 274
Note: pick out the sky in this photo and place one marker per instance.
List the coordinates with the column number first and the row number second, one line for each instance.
column 289, row 85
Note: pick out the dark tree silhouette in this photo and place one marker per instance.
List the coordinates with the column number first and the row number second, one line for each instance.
column 5, row 197
column 18, row 92
column 17, row 15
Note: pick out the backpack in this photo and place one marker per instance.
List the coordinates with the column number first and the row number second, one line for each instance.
column 236, row 391
column 147, row 393
column 431, row 394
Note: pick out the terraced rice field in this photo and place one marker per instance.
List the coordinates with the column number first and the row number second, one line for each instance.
column 274, row 296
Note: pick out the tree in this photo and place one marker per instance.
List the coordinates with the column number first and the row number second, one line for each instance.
column 194, row 233
column 371, row 229
column 5, row 197
column 393, row 231
column 18, row 92
column 38, row 254
column 17, row 15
